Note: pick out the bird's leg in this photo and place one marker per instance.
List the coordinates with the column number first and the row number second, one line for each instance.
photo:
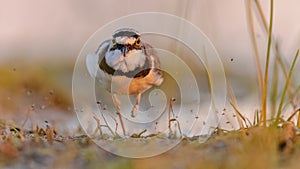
column 136, row 106
column 117, row 105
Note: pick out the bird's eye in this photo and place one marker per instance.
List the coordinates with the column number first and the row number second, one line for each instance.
column 138, row 42
column 114, row 42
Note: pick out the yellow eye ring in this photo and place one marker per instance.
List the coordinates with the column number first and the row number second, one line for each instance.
column 113, row 42
column 138, row 42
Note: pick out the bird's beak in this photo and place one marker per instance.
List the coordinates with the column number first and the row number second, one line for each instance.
column 124, row 50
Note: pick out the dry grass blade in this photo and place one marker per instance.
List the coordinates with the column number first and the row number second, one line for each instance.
column 266, row 76
column 107, row 125
column 98, row 125
column 274, row 90
column 293, row 99
column 279, row 60
column 265, row 27
column 27, row 116
column 19, row 132
column 286, row 86
column 179, row 128
column 170, row 120
column 178, row 125
column 115, row 134
column 169, row 113
column 256, row 118
column 36, row 133
column 116, row 123
column 254, row 45
column 234, row 105
column 261, row 17
column 139, row 135
column 245, row 120
column 293, row 115
column 50, row 133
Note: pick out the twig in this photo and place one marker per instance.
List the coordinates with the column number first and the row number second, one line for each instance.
column 172, row 119
column 116, row 122
column 169, row 113
column 106, row 123
column 109, row 128
column 98, row 125
column 295, row 112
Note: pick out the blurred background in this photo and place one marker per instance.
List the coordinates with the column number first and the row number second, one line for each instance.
column 40, row 41
column 57, row 30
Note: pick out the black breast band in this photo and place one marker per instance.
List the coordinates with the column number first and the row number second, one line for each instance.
column 139, row 72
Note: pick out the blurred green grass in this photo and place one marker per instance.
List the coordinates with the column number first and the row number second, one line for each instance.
column 40, row 84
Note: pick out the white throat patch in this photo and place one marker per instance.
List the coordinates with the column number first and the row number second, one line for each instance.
column 125, row 40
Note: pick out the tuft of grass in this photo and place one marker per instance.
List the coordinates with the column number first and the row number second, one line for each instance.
column 276, row 110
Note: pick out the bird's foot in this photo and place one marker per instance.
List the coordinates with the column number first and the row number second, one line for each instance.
column 134, row 110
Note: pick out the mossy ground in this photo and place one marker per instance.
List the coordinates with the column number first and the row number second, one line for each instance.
column 256, row 147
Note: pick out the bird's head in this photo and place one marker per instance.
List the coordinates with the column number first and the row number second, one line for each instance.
column 126, row 50
column 126, row 40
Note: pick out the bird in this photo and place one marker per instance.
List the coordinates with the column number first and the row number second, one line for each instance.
column 125, row 65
